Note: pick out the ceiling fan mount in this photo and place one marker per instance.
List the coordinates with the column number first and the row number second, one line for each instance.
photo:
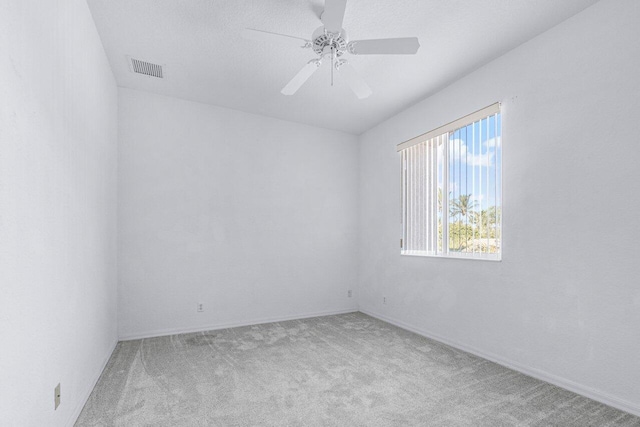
column 323, row 39
column 330, row 41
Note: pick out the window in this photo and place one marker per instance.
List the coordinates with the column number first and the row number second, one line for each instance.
column 452, row 189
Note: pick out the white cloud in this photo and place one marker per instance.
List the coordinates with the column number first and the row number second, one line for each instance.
column 458, row 151
column 492, row 143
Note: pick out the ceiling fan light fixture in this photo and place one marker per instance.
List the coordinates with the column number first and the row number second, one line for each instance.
column 331, row 40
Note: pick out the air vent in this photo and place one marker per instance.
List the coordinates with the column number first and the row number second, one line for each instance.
column 147, row 68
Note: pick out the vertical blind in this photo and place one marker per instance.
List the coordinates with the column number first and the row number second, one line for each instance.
column 451, row 189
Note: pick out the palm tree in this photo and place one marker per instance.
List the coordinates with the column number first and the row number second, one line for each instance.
column 463, row 205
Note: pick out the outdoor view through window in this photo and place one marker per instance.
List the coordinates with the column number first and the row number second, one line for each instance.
column 451, row 189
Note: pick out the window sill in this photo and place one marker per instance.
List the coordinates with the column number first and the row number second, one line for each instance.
column 476, row 257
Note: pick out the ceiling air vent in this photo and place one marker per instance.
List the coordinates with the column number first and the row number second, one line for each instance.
column 147, row 68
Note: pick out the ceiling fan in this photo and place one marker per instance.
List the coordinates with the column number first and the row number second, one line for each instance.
column 330, row 41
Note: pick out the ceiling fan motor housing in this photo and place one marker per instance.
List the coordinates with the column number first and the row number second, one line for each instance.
column 323, row 39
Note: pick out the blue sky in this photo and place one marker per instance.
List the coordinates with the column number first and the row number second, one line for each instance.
column 474, row 156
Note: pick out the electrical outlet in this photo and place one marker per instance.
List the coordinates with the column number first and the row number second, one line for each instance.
column 56, row 396
column 384, row 300
column 200, row 307
column 349, row 293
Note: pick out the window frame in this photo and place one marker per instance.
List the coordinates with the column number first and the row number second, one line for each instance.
column 447, row 131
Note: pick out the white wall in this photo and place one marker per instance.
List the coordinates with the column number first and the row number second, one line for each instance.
column 564, row 304
column 253, row 217
column 58, row 142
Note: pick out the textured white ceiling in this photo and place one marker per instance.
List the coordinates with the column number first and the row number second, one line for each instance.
column 206, row 59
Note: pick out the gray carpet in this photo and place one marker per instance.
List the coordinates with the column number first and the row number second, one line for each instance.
column 345, row 370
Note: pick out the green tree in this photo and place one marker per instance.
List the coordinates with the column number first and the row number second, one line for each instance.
column 459, row 235
column 485, row 222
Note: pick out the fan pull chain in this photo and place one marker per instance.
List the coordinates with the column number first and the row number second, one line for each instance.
column 333, row 58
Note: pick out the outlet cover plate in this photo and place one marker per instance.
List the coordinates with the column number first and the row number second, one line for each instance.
column 56, row 396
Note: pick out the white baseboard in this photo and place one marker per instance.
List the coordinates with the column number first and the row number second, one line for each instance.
column 174, row 331
column 591, row 393
column 87, row 392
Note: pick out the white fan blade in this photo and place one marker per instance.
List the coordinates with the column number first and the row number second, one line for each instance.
column 303, row 75
column 400, row 46
column 355, row 82
column 333, row 15
column 266, row 36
